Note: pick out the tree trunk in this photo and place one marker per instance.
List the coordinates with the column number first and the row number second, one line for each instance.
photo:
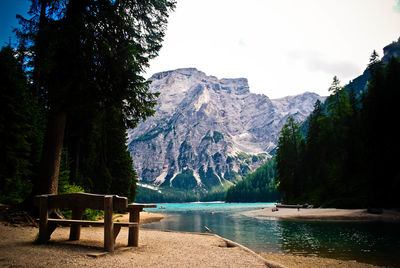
column 51, row 155
column 76, row 150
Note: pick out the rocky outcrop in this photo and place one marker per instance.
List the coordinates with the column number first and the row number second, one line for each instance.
column 392, row 50
column 208, row 131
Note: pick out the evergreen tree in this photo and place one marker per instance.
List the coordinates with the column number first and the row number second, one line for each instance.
column 20, row 131
column 335, row 87
column 378, row 114
column 349, row 156
column 87, row 57
column 288, row 161
column 105, row 165
column 258, row 186
column 316, row 155
column 373, row 59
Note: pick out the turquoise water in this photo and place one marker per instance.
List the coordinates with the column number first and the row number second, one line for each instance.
column 377, row 243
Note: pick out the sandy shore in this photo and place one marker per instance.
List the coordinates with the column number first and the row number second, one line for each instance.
column 326, row 214
column 307, row 262
column 156, row 249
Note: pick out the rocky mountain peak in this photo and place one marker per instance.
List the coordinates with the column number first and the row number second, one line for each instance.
column 236, row 86
column 392, row 50
column 181, row 74
column 208, row 132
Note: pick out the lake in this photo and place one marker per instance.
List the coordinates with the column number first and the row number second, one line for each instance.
column 371, row 242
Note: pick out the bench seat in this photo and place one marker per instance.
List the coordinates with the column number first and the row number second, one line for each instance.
column 93, row 223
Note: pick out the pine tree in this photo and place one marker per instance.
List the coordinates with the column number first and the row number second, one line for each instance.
column 378, row 114
column 373, row 59
column 288, row 161
column 258, row 186
column 20, row 131
column 350, row 152
column 87, row 57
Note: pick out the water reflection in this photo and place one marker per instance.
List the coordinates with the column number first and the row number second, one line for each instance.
column 377, row 243
column 371, row 242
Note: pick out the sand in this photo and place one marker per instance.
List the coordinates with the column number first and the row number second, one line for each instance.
column 156, row 249
column 307, row 262
column 326, row 214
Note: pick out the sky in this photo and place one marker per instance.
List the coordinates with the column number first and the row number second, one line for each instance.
column 283, row 47
column 8, row 11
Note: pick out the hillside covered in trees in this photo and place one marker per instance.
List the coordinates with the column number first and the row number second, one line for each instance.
column 258, row 186
column 348, row 156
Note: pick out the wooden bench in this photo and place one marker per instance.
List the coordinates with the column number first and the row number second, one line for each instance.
column 78, row 202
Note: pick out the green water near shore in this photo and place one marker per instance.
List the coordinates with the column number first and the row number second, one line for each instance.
column 370, row 242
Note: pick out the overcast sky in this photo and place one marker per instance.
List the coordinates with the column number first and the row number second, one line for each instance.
column 282, row 47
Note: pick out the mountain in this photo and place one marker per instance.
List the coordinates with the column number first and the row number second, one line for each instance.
column 391, row 50
column 359, row 84
column 208, row 132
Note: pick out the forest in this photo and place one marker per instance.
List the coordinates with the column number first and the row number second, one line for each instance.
column 70, row 90
column 348, row 156
column 258, row 186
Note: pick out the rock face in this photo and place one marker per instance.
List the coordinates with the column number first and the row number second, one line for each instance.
column 359, row 84
column 391, row 50
column 208, row 131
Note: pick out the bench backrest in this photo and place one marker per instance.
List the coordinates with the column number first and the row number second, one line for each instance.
column 83, row 200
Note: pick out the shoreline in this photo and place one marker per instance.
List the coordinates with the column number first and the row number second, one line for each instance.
column 296, row 261
column 157, row 248
column 324, row 214
column 279, row 260
column 175, row 248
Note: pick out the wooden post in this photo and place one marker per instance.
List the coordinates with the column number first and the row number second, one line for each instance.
column 75, row 232
column 133, row 238
column 117, row 228
column 44, row 216
column 108, row 224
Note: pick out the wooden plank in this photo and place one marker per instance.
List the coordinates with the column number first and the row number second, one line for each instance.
column 149, row 205
column 80, row 222
column 126, row 224
column 84, row 200
column 108, row 224
column 132, row 207
column 85, row 222
column 102, row 254
column 75, row 232
column 120, row 203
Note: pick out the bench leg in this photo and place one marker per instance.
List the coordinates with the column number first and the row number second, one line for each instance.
column 108, row 224
column 117, row 228
column 44, row 234
column 75, row 232
column 133, row 238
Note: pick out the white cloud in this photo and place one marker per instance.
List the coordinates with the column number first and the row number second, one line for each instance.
column 315, row 62
column 256, row 39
